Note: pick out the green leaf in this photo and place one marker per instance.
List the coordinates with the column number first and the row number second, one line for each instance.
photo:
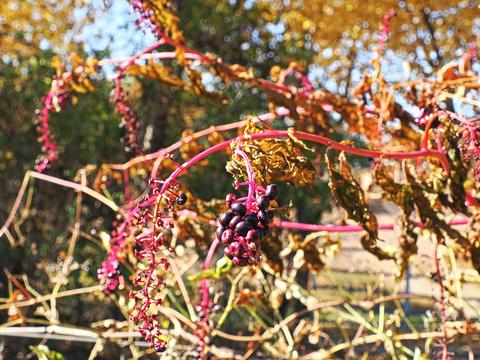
column 222, row 267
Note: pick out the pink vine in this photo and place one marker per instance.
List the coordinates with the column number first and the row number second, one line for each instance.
column 150, row 241
column 307, row 87
column 386, row 29
column 122, row 106
column 54, row 101
column 319, row 139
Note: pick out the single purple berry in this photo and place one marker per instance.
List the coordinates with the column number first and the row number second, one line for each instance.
column 272, row 191
column 263, row 217
column 252, row 219
column 242, row 228
column 263, row 202
column 227, row 237
column 182, row 199
column 239, row 208
column 225, row 218
column 219, row 232
column 235, row 220
column 159, row 347
column 252, row 235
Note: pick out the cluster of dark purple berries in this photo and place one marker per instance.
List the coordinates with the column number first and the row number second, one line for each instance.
column 242, row 229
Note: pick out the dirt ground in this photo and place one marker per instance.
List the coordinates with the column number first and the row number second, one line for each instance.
column 356, row 268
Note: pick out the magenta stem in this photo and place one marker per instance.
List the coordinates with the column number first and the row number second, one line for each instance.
column 326, row 228
column 252, row 186
column 206, row 265
column 309, row 137
column 347, row 228
column 333, row 228
column 264, row 117
column 307, row 87
column 213, row 247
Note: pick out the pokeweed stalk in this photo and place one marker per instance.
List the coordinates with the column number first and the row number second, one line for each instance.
column 241, row 244
column 53, row 102
column 249, row 218
column 318, row 139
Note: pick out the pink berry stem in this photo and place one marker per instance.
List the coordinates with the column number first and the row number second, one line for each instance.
column 429, row 120
column 46, row 138
column 280, row 134
column 251, row 179
column 130, row 61
column 213, row 247
column 333, row 228
column 221, row 128
column 386, row 30
column 238, row 184
column 206, row 265
column 319, row 139
column 346, row 228
column 307, row 87
column 164, row 39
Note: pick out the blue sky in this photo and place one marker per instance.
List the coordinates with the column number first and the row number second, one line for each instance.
column 114, row 27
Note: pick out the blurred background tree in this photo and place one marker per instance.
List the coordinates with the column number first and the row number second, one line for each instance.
column 31, row 26
column 425, row 34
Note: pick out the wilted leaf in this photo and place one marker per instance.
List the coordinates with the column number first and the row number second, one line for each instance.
column 273, row 160
column 350, row 196
column 230, row 73
column 190, row 146
column 310, row 251
column 429, row 213
column 162, row 15
column 458, row 167
column 215, row 138
column 79, row 78
column 400, row 194
column 155, row 71
column 271, row 248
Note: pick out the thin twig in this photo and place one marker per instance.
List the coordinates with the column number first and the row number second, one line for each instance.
column 65, row 183
column 442, row 303
column 66, row 293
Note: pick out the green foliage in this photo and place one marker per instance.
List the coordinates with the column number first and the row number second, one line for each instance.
column 44, row 353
